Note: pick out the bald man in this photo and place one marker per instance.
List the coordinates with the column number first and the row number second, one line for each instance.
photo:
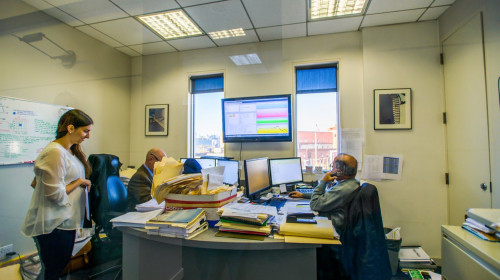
column 330, row 202
column 139, row 186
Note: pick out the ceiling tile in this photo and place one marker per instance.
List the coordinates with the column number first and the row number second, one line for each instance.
column 127, row 31
column 41, row 5
column 392, row 18
column 153, row 48
column 134, row 7
column 192, row 43
column 128, row 51
column 337, row 25
column 220, row 16
column 282, row 32
column 276, row 12
column 99, row 36
column 442, row 2
column 433, row 13
column 186, row 3
column 62, row 16
column 384, row 6
column 250, row 37
column 89, row 11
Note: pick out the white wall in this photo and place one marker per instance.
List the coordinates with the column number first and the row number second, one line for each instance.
column 451, row 20
column 99, row 84
column 381, row 57
column 407, row 56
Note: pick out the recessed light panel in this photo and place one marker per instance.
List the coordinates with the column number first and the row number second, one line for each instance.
column 227, row 33
column 331, row 8
column 172, row 24
column 246, row 59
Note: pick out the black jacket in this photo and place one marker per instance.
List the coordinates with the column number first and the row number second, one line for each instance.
column 364, row 249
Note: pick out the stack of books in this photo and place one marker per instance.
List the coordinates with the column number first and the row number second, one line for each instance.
column 246, row 219
column 483, row 223
column 178, row 223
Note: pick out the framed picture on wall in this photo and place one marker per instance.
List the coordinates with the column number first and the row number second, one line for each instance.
column 157, row 119
column 392, row 109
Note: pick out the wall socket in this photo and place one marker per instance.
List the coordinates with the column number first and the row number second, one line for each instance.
column 4, row 250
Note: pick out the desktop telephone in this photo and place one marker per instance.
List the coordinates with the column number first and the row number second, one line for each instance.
column 307, row 218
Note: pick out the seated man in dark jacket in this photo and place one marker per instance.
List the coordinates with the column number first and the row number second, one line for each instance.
column 139, row 186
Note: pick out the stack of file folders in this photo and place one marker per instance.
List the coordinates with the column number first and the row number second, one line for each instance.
column 178, row 223
column 483, row 223
column 235, row 221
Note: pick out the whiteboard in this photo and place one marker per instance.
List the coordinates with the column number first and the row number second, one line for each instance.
column 26, row 127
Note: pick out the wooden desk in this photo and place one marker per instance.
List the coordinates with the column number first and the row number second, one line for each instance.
column 209, row 257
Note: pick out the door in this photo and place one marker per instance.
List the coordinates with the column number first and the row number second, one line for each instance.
column 467, row 123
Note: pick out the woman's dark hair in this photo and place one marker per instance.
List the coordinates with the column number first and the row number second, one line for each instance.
column 77, row 118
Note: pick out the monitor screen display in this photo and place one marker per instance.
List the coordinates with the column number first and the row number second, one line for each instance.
column 285, row 170
column 204, row 162
column 257, row 119
column 231, row 171
column 257, row 177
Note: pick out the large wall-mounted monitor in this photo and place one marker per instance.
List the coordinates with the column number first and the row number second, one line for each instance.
column 257, row 119
column 257, row 177
column 285, row 171
column 231, row 171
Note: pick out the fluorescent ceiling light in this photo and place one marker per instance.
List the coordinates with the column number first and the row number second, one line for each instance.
column 246, row 59
column 227, row 33
column 332, row 8
column 172, row 24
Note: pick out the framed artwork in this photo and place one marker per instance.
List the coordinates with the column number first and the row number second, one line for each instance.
column 392, row 109
column 157, row 119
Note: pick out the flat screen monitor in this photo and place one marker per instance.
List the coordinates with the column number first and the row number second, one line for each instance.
column 204, row 162
column 231, row 171
column 257, row 177
column 285, row 171
column 257, row 119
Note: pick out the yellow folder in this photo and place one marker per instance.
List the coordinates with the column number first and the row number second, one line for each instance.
column 323, row 229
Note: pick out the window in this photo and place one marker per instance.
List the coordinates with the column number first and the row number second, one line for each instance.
column 317, row 115
column 207, row 92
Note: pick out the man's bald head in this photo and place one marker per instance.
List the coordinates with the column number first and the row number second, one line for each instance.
column 346, row 164
column 154, row 155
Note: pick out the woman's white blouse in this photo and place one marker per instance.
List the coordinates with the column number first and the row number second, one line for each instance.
column 50, row 206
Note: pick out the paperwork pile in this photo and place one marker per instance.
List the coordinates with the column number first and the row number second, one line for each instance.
column 246, row 219
column 135, row 219
column 320, row 233
column 178, row 223
column 483, row 223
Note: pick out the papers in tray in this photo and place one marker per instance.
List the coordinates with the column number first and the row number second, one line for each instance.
column 150, row 206
column 178, row 223
column 413, row 254
column 134, row 219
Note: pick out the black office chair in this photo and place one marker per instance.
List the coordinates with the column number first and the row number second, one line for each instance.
column 108, row 199
column 364, row 249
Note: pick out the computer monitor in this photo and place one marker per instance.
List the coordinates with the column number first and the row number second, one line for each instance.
column 204, row 162
column 257, row 177
column 285, row 171
column 231, row 171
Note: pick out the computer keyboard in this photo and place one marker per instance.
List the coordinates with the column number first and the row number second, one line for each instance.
column 305, row 190
column 277, row 202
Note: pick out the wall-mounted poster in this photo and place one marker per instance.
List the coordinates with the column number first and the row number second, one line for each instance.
column 157, row 119
column 392, row 109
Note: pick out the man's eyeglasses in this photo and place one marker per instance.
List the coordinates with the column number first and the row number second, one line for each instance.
column 155, row 157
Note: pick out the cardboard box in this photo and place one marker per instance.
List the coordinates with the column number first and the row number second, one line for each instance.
column 183, row 201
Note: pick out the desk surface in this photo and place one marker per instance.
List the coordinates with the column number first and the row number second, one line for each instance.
column 207, row 240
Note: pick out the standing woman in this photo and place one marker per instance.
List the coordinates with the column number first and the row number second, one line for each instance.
column 57, row 206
